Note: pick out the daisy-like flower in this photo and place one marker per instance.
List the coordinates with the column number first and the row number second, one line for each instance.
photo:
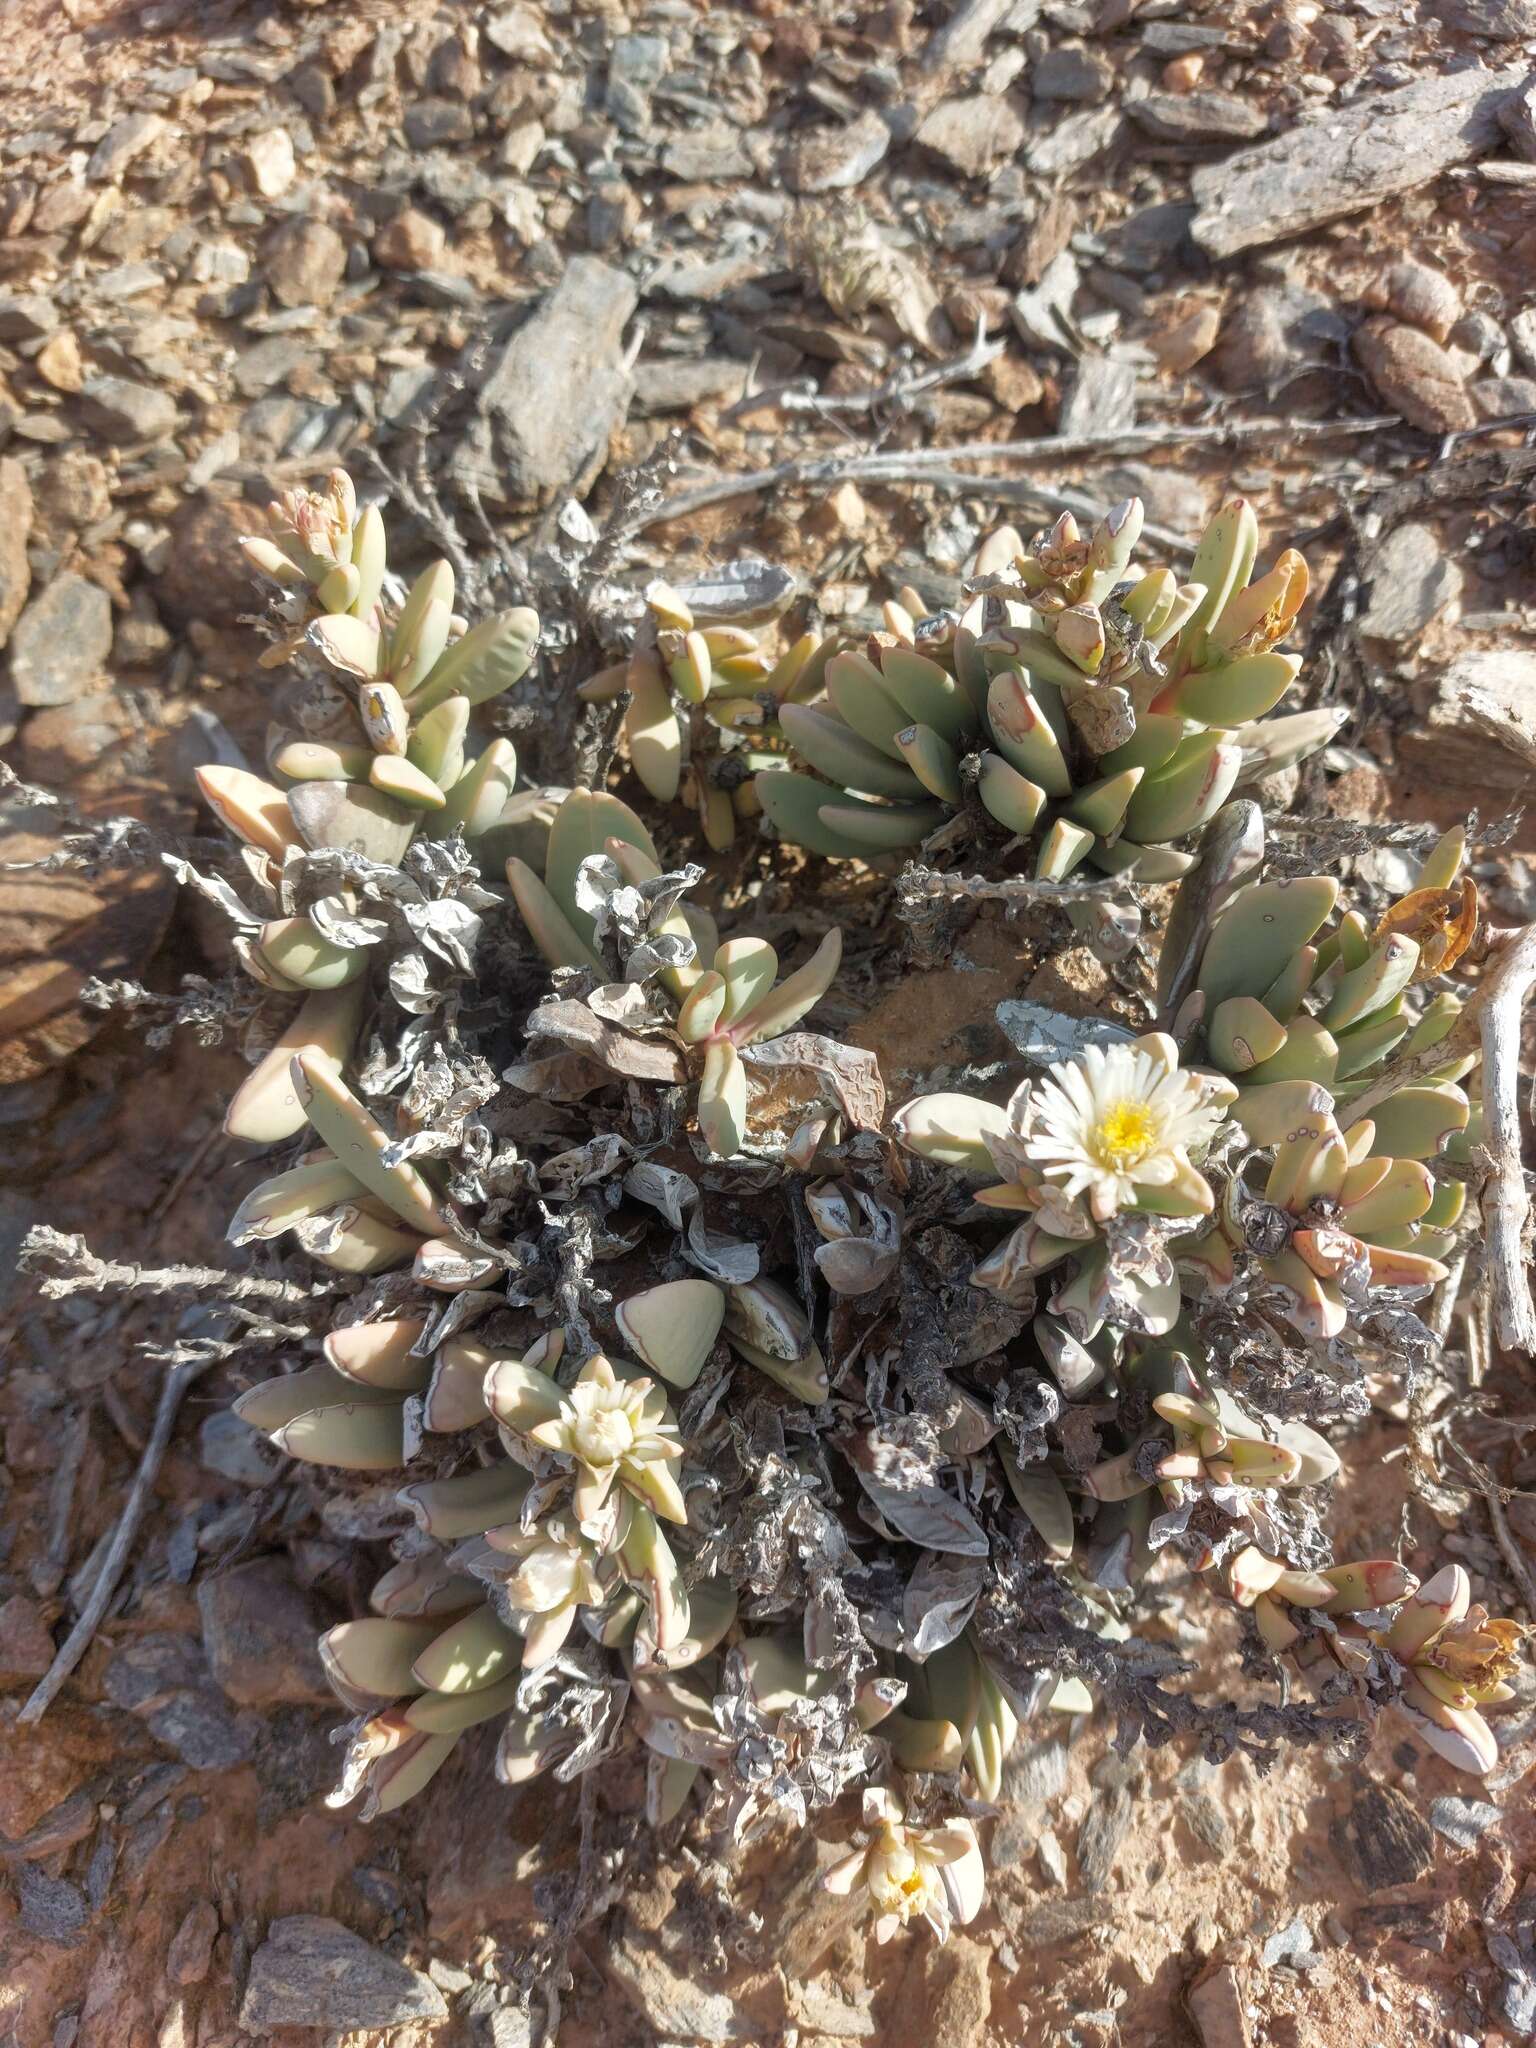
column 910, row 1873
column 1116, row 1128
column 615, row 1431
column 556, row 1573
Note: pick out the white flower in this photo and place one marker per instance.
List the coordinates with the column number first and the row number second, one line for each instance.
column 1118, row 1125
column 911, row 1873
column 556, row 1575
column 616, row 1431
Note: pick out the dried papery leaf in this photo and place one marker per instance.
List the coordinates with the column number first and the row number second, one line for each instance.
column 912, row 1500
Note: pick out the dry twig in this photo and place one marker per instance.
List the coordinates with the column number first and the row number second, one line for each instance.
column 173, row 1389
column 933, row 465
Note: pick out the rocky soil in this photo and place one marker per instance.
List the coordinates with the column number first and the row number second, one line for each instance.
column 958, row 264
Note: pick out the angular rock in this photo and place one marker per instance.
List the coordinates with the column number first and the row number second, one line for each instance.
column 15, row 528
column 1414, row 579
column 1102, row 399
column 430, row 123
column 126, row 411
column 1502, row 21
column 554, row 393
column 206, row 576
column 270, row 163
column 123, row 141
column 679, row 386
column 259, row 1634
column 1503, row 398
column 1275, row 333
column 1068, row 74
column 1463, row 1821
column 304, row 261
column 1489, row 696
column 26, row 1644
column 1198, row 116
column 411, row 241
column 1355, row 157
column 61, row 641
column 676, row 2004
column 1189, row 336
column 64, row 741
column 974, row 134
column 518, row 33
column 956, row 1995
column 1384, row 1839
column 26, row 316
column 1414, row 375
column 190, row 1955
column 313, row 1972
column 1218, row 2007
column 700, row 156
column 832, row 159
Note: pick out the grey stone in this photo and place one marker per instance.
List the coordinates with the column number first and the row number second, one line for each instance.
column 1036, row 1772
column 431, row 122
column 678, row 386
column 1488, row 696
column 557, row 389
column 15, row 527
column 126, row 412
column 269, row 362
column 304, row 262
column 217, row 263
column 1068, row 74
column 313, row 1972
column 1363, row 153
column 272, row 425
column 127, row 281
column 1522, row 338
column 123, row 141
column 61, row 642
column 1073, row 142
column 259, row 1634
column 1198, row 116
column 1102, row 399
column 832, row 159
column 26, row 316
column 704, row 156
column 1463, row 1821
column 973, row 135
column 1501, row 21
column 517, row 33
column 1291, row 1945
column 1274, row 334
column 1414, row 579
column 1502, row 398
column 676, row 2005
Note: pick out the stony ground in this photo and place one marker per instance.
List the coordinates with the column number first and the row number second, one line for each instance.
column 514, row 252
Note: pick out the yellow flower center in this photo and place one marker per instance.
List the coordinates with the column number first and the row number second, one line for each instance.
column 1125, row 1134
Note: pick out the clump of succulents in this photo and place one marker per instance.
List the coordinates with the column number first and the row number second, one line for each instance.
column 688, row 1443
column 704, row 702
column 1093, row 712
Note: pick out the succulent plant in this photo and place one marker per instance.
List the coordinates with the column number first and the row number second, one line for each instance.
column 1098, row 714
column 716, row 1427
column 907, row 1873
column 1100, row 1139
column 703, row 700
column 718, row 1011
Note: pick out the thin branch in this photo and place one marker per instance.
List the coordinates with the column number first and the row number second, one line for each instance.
column 1506, row 1199
column 932, row 465
column 897, row 391
column 173, row 1389
column 85, row 1273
